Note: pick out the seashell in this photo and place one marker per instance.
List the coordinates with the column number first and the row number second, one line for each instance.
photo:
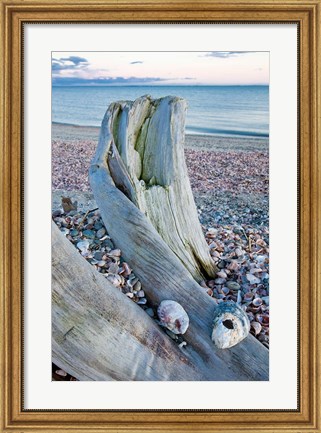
column 252, row 279
column 173, row 316
column 239, row 297
column 221, row 274
column 61, row 373
column 257, row 302
column 255, row 270
column 126, row 271
column 225, row 290
column 115, row 253
column 219, row 280
column 115, row 280
column 211, row 232
column 260, row 242
column 113, row 268
column 83, row 245
column 182, row 344
column 257, row 327
column 248, row 296
column 254, row 309
column 231, row 325
column 233, row 266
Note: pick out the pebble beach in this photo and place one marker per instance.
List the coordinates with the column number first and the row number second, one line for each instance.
column 230, row 184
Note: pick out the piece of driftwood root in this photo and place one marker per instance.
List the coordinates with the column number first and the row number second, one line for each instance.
column 143, row 145
column 140, row 183
column 99, row 334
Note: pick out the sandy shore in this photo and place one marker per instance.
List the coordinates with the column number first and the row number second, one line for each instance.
column 198, row 142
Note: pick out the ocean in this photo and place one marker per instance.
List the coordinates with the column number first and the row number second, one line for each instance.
column 232, row 111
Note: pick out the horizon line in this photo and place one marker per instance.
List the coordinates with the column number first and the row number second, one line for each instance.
column 160, row 85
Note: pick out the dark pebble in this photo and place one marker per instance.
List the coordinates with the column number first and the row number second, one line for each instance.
column 89, row 234
column 98, row 255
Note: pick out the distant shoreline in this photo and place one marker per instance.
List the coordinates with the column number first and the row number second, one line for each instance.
column 64, row 131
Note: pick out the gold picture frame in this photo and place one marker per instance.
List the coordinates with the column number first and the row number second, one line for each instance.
column 307, row 15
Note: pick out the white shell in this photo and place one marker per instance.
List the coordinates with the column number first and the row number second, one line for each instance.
column 231, row 325
column 173, row 316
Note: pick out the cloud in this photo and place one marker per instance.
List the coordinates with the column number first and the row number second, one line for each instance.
column 136, row 62
column 226, row 54
column 104, row 81
column 69, row 63
column 75, row 59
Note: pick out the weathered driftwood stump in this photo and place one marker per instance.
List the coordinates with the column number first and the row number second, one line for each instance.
column 140, row 182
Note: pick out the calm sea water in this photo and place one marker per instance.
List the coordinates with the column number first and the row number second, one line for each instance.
column 213, row 110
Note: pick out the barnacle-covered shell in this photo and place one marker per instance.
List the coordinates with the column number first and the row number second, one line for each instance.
column 173, row 316
column 230, row 325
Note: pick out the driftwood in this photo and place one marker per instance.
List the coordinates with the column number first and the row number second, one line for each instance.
column 99, row 334
column 140, row 183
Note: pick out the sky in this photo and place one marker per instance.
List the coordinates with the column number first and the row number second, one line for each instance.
column 160, row 68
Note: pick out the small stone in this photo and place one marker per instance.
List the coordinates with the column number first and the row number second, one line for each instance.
column 98, row 255
column 142, row 301
column 220, row 280
column 171, row 334
column 108, row 243
column 56, row 213
column 239, row 252
column 100, row 233
column 113, row 268
column 137, row 286
column 233, row 285
column 89, row 234
column 150, row 312
column 98, row 225
column 74, row 232
column 141, row 293
column 221, row 274
column 252, row 279
column 222, row 264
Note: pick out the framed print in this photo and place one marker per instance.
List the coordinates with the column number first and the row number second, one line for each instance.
column 160, row 207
